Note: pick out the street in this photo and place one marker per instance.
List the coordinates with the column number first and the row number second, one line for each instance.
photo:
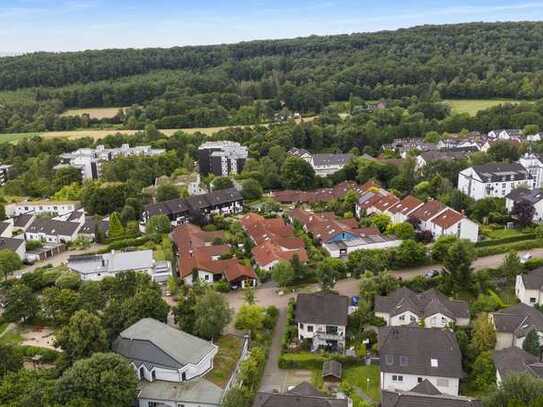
column 274, row 378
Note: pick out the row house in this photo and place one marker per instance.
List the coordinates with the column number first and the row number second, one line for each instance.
column 203, row 256
column 274, row 241
column 322, row 194
column 341, row 236
column 55, row 208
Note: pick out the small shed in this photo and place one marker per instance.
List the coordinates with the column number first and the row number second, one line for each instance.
column 331, row 371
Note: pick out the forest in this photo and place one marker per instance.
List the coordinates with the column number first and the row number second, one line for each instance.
column 250, row 82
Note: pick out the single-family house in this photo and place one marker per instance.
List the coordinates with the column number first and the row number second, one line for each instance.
column 529, row 287
column 411, row 354
column 323, row 164
column 513, row 360
column 534, row 197
column 405, row 307
column 452, row 223
column 171, row 365
column 302, row 395
column 512, row 324
column 425, row 394
column 321, row 318
column 424, row 158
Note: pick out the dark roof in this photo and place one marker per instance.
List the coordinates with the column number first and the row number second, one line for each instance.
column 449, row 155
column 22, row 220
column 10, row 243
column 89, row 227
column 514, row 360
column 533, row 280
column 168, row 208
column 424, row 304
column 518, row 319
column 303, row 395
column 322, row 308
column 332, row 368
column 524, row 194
column 494, row 172
column 420, row 351
column 331, row 159
column 53, row 227
column 424, row 395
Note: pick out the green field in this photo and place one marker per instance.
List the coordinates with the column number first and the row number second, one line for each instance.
column 472, row 106
column 15, row 137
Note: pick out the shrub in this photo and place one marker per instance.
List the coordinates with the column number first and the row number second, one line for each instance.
column 307, row 360
column 505, row 240
column 222, row 286
column 47, row 355
column 524, row 245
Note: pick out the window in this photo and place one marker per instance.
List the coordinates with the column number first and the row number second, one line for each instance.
column 396, row 378
column 434, row 363
column 153, row 404
column 301, row 326
column 403, row 360
column 412, row 319
column 206, row 277
column 402, row 318
column 419, row 380
column 389, row 359
column 532, row 300
column 310, row 328
column 442, row 383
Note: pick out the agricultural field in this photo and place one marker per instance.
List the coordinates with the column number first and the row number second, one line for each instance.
column 472, row 106
column 95, row 113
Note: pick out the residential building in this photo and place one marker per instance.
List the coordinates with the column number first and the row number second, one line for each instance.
column 191, row 182
column 405, row 307
column 97, row 267
column 341, row 236
column 52, row 231
column 452, row 223
column 411, row 354
column 323, row 164
column 534, row 197
column 171, row 365
column 512, row 324
column 203, row 256
column 322, row 194
column 516, row 361
column 6, row 228
column 22, row 222
column 400, row 212
column 274, row 241
column 15, row 245
column 55, row 208
column 221, row 158
column 529, row 287
column 89, row 161
column 427, row 157
column 494, row 180
column 302, row 395
column 424, row 394
column 406, row 145
column 182, row 210
column 322, row 319
column 5, row 172
column 533, row 163
column 506, row 134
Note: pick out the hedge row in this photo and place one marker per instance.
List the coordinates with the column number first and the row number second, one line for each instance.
column 505, row 240
column 524, row 245
column 124, row 243
column 308, row 360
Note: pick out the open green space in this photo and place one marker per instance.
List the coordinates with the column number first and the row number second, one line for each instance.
column 226, row 359
column 15, row 137
column 357, row 376
column 472, row 106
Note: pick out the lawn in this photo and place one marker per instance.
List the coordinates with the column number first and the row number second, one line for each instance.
column 94, row 112
column 15, row 137
column 497, row 234
column 12, row 337
column 472, row 106
column 356, row 376
column 226, row 359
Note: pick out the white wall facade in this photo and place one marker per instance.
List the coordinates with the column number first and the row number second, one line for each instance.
column 446, row 385
column 50, row 238
column 58, row 208
column 472, row 185
column 203, row 276
column 528, row 297
column 464, row 229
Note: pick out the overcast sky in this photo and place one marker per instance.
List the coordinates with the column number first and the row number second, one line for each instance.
column 61, row 25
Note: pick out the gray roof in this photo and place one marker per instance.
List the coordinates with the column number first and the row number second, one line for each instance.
column 4, row 226
column 533, row 280
column 53, row 227
column 494, row 172
column 518, row 319
column 322, row 308
column 423, row 305
column 112, row 262
column 153, row 341
column 10, row 243
column 22, row 221
column 424, row 395
column 420, row 351
column 197, row 391
column 320, row 160
column 524, row 194
column 303, row 395
column 89, row 227
column 332, row 368
column 449, row 155
column 514, row 360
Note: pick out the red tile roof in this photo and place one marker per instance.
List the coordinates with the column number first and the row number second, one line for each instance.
column 269, row 252
column 428, row 210
column 448, row 218
column 408, row 204
column 323, row 194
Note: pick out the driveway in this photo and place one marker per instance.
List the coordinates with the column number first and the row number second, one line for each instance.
column 275, row 378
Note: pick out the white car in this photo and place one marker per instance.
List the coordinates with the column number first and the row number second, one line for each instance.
column 525, row 257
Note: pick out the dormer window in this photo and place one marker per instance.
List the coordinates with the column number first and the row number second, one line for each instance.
column 434, row 363
column 389, row 360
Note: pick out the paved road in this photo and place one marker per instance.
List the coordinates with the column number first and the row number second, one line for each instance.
column 274, row 378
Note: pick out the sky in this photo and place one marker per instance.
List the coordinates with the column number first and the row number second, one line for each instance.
column 69, row 25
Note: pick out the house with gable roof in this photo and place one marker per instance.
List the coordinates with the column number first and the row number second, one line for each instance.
column 533, row 197
column 405, row 307
column 302, row 395
column 529, row 287
column 424, row 394
column 512, row 324
column 514, row 360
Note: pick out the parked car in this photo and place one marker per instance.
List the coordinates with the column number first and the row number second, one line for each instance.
column 432, row 273
column 525, row 257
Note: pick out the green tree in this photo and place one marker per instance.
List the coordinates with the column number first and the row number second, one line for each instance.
column 237, row 397
column 104, row 379
column 361, row 261
column 219, row 183
column 441, row 246
column 184, row 312
column 372, row 284
column 530, row 129
column 504, row 150
column 250, row 318
column 484, row 334
column 457, row 263
column 212, row 315
column 484, row 371
column 251, row 189
column 166, row 192
column 516, row 390
column 283, row 274
column 11, row 360
column 380, row 221
column 297, row 174
column 159, row 224
column 531, row 343
column 403, row 231
column 28, row 387
column 9, row 263
column 127, row 214
column 21, row 304
column 511, row 265
column 328, row 272
column 59, row 304
column 116, row 228
column 409, row 254
column 82, row 336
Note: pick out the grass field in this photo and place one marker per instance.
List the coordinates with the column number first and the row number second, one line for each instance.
column 226, row 360
column 472, row 106
column 94, row 113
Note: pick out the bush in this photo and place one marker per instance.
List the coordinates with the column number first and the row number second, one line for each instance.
column 505, row 240
column 309, row 361
column 222, row 286
column 124, row 243
column 524, row 245
column 47, row 355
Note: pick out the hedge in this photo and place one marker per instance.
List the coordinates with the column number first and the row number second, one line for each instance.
column 505, row 240
column 47, row 355
column 308, row 360
column 524, row 245
column 124, row 243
